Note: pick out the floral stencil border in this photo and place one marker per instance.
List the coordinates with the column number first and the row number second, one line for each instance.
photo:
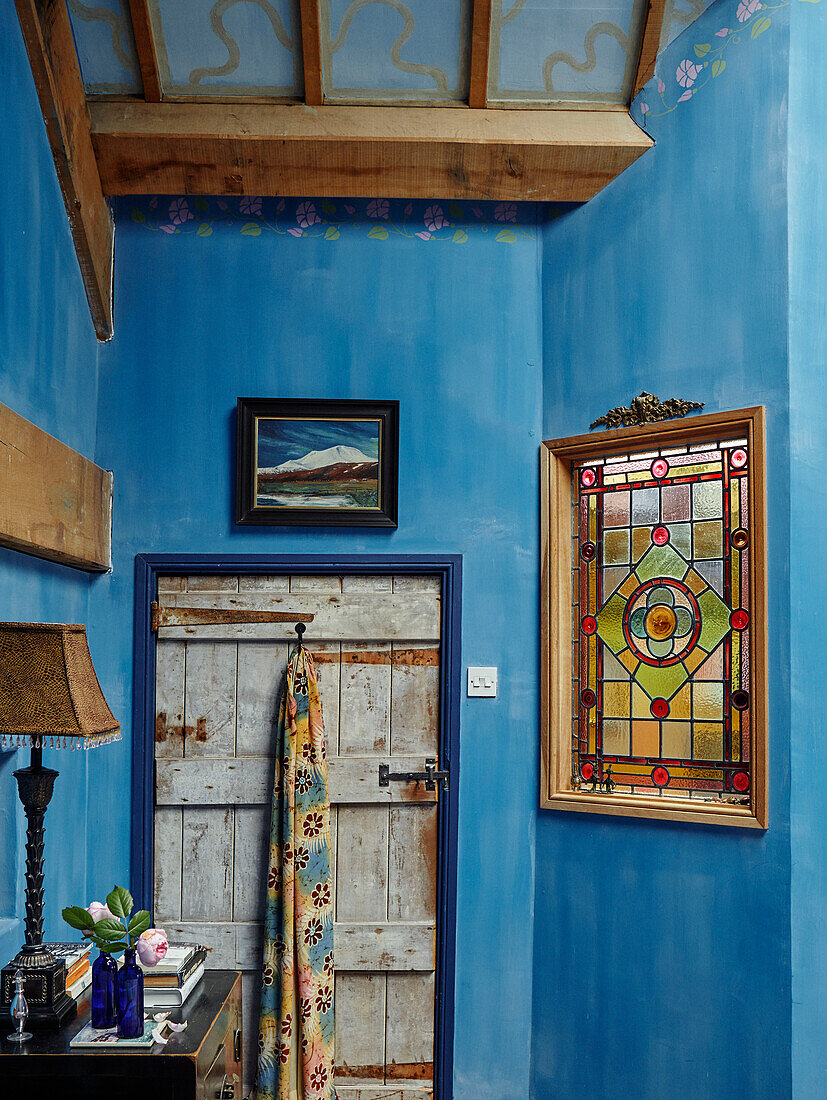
column 708, row 59
column 300, row 218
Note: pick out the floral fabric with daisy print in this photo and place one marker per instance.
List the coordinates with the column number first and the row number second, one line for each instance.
column 295, row 1059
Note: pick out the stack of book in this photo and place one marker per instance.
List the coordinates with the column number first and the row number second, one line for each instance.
column 78, row 965
column 168, row 984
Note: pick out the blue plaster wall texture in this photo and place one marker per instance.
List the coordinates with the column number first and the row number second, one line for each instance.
column 662, row 951
column 453, row 331
column 48, row 373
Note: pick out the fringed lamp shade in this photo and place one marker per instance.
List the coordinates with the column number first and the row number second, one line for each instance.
column 49, row 693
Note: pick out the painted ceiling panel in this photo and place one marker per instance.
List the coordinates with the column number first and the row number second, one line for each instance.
column 228, row 47
column 106, row 48
column 557, row 50
column 389, row 50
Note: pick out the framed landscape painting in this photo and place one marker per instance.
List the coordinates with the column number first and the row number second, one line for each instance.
column 319, row 463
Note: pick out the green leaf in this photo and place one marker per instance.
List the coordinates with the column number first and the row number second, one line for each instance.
column 328, row 207
column 718, row 66
column 506, row 236
column 109, row 929
column 200, row 204
column 120, row 902
column 77, row 918
column 139, row 923
column 138, row 215
column 456, row 211
column 331, row 233
column 251, row 229
column 703, row 50
column 460, row 237
column 111, row 948
column 204, row 230
column 379, row 233
column 759, row 26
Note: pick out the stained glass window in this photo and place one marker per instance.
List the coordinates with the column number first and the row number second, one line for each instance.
column 663, row 627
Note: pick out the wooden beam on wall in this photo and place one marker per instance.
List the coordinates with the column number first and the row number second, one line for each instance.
column 480, row 47
column 145, row 47
column 54, row 63
column 312, row 53
column 401, row 152
column 54, row 503
column 649, row 44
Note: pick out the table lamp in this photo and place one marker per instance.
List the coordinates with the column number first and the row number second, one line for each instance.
column 49, row 696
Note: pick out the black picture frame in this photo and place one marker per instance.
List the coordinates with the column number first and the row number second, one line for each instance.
column 252, row 411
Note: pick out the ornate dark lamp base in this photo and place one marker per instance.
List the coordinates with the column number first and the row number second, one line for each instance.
column 44, row 976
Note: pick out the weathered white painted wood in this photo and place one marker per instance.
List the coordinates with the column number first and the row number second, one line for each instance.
column 421, row 583
column 409, row 1035
column 170, row 661
column 412, row 867
column 362, row 869
column 171, row 584
column 415, row 700
column 350, row 616
column 261, row 668
column 264, row 583
column 367, row 584
column 383, row 1092
column 168, row 861
column 247, row 780
column 360, row 1027
column 316, row 584
column 365, row 702
column 326, row 657
column 207, row 874
column 210, row 699
column 372, row 946
column 250, row 861
column 220, row 583
column 250, row 1011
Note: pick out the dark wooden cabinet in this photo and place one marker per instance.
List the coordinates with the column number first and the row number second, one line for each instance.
column 201, row 1063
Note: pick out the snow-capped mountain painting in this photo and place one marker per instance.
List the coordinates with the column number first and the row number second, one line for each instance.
column 318, row 463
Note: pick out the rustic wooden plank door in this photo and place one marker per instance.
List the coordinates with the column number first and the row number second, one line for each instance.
column 375, row 640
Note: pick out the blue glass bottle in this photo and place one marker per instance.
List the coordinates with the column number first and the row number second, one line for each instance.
column 104, row 991
column 130, row 997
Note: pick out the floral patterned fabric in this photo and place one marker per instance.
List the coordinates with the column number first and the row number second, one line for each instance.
column 295, row 1060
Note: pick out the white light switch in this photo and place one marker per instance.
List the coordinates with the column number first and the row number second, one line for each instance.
column 482, row 681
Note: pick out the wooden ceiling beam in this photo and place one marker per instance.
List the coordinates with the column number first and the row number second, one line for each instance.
column 145, row 46
column 312, row 53
column 54, row 63
column 649, row 44
column 480, row 49
column 402, row 152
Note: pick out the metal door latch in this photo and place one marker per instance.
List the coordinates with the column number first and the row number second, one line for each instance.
column 430, row 776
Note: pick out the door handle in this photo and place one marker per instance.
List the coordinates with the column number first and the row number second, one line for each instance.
column 431, row 777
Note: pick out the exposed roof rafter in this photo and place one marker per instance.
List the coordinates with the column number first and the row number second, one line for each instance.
column 147, row 53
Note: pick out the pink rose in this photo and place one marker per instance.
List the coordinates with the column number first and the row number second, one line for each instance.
column 152, row 946
column 98, row 911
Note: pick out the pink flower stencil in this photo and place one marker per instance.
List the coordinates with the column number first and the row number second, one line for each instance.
column 179, row 212
column 250, row 206
column 746, row 10
column 476, row 212
column 222, row 205
column 296, row 232
column 644, row 108
column 435, row 219
column 378, row 208
column 409, row 210
column 280, row 206
column 350, row 209
column 168, row 228
column 306, row 215
column 722, row 33
column 687, row 73
column 505, row 212
column 661, row 87
column 423, row 235
column 685, row 95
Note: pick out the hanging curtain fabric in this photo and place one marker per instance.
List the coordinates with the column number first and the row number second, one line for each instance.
column 295, row 1059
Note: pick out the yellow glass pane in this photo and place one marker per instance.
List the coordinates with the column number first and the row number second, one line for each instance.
column 593, row 662
column 695, row 582
column 646, row 738
column 610, row 623
column 629, row 659
column 736, row 734
column 641, row 541
column 709, row 539
column 694, row 659
column 616, row 699
column 701, row 468
column 612, row 668
column 709, row 741
column 593, row 518
column 735, row 660
column 640, row 703
column 708, row 702
column 616, row 737
column 613, row 576
column 615, row 547
column 628, row 586
column 681, row 703
column 614, row 479
column 677, row 739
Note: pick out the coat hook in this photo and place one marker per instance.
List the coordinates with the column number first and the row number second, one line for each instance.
column 300, row 629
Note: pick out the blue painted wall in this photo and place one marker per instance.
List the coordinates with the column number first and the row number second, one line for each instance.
column 807, row 184
column 48, row 373
column 453, row 331
column 662, row 952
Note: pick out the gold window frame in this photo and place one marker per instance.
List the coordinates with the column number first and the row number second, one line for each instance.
column 556, row 460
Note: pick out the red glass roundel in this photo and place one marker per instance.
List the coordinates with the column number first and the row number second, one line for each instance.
column 739, row 619
column 588, row 551
column 740, row 699
column 588, row 477
column 660, row 708
column 588, row 698
column 739, row 538
column 587, row 771
column 660, row 776
column 738, row 458
column 740, row 781
column 588, row 624
column 660, row 468
column 660, row 536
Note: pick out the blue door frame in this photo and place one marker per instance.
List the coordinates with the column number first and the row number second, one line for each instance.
column 148, row 567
